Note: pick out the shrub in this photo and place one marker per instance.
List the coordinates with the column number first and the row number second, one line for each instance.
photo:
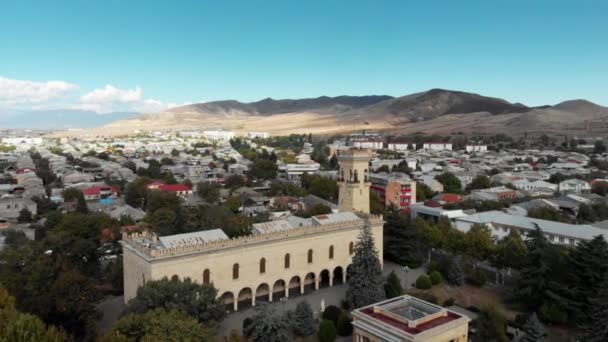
column 344, row 326
column 477, row 278
column 428, row 297
column 423, row 282
column 246, row 323
column 449, row 302
column 433, row 266
column 553, row 313
column 327, row 331
column 332, row 313
column 435, row 277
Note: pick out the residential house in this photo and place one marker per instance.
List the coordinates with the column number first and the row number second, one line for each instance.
column 574, row 185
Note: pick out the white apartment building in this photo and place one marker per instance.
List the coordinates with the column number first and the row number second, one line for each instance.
column 262, row 135
column 437, row 146
column 375, row 144
column 295, row 171
column 401, row 146
column 218, row 135
column 501, row 224
column 574, row 185
column 477, row 148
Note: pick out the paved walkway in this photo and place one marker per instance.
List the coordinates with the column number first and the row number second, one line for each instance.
column 330, row 295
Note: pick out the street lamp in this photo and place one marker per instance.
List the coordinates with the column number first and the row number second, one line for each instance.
column 407, row 283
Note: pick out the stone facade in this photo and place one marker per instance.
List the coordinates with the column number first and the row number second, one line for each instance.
column 353, row 180
column 258, row 267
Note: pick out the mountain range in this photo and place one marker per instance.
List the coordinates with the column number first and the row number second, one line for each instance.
column 436, row 111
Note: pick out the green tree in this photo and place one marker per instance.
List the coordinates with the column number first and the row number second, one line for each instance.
column 209, row 191
column 533, row 282
column 589, row 267
column 344, row 326
column 136, row 192
column 319, row 209
column 19, row 327
column 75, row 196
column 268, row 325
column 234, row 182
column 303, row 321
column 480, row 244
column 480, row 182
column 327, row 331
column 423, row 192
column 384, row 168
column 599, row 147
column 450, row 182
column 263, row 169
column 25, row 216
column 365, row 286
column 491, row 326
column 596, row 328
column 402, row 243
column 511, row 251
column 423, row 282
column 392, row 287
column 600, row 188
column 197, row 300
column 160, row 325
column 535, row 332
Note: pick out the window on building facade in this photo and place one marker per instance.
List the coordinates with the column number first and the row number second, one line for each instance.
column 351, row 248
column 206, row 276
column 287, row 260
column 310, row 256
column 235, row 271
column 262, row 266
column 561, row 239
column 331, row 252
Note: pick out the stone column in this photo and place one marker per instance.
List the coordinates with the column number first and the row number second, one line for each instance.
column 317, row 283
column 344, row 276
column 286, row 290
column 236, row 305
column 302, row 287
column 331, row 280
column 252, row 300
column 270, row 296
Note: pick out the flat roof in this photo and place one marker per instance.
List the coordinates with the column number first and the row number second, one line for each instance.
column 579, row 231
column 333, row 218
column 192, row 238
column 407, row 314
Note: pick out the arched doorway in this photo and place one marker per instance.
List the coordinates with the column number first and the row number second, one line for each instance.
column 338, row 276
column 309, row 283
column 294, row 286
column 278, row 290
column 262, row 294
column 228, row 299
column 245, row 299
column 324, row 279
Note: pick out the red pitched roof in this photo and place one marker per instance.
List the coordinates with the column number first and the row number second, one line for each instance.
column 94, row 190
column 451, row 198
column 174, row 187
column 411, row 330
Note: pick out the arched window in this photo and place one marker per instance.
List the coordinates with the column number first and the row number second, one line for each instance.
column 351, row 248
column 310, row 256
column 235, row 271
column 206, row 276
column 262, row 266
column 287, row 260
column 331, row 252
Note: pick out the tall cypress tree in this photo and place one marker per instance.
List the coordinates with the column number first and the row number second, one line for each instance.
column 535, row 332
column 401, row 243
column 596, row 328
column 588, row 268
column 365, row 284
column 533, row 282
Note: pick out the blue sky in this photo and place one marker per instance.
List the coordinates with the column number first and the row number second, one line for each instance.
column 139, row 55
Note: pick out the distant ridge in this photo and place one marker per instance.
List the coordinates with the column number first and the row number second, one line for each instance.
column 436, row 111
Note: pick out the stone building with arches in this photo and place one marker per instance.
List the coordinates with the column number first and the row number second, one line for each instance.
column 262, row 267
column 281, row 259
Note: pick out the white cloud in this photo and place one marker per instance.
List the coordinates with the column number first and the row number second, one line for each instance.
column 13, row 92
column 110, row 94
column 111, row 99
column 31, row 95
